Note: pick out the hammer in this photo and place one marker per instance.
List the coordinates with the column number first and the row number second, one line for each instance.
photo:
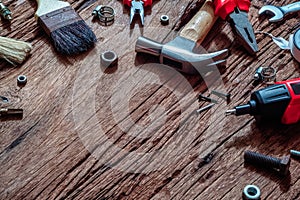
column 179, row 53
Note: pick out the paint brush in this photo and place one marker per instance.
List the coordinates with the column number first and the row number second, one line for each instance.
column 69, row 33
column 14, row 51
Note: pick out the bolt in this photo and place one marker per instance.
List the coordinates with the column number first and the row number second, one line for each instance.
column 281, row 165
column 222, row 95
column 295, row 153
column 205, row 98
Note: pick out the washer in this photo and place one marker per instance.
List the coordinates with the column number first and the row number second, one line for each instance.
column 251, row 192
column 164, row 19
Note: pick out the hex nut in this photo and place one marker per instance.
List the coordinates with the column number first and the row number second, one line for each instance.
column 164, row 19
column 251, row 192
column 22, row 80
column 109, row 59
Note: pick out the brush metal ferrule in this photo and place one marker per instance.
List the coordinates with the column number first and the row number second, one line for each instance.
column 59, row 18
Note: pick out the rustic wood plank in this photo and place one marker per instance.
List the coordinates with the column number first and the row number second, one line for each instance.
column 46, row 155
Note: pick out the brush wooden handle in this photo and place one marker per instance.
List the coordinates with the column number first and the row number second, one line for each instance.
column 47, row 6
column 199, row 26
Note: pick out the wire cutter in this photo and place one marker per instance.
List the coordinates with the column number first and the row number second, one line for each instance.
column 235, row 11
column 137, row 7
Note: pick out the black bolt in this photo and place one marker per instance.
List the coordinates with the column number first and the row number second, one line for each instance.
column 205, row 98
column 227, row 96
column 281, row 165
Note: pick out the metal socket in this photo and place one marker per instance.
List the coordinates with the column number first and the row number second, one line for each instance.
column 109, row 59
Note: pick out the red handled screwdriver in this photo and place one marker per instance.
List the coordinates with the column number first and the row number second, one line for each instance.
column 137, row 7
column 279, row 102
column 235, row 11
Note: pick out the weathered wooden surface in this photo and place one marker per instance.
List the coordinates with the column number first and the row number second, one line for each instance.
column 77, row 139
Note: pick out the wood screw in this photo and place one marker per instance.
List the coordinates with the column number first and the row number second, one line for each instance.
column 281, row 165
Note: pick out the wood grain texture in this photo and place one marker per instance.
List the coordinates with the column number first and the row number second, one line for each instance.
column 80, row 137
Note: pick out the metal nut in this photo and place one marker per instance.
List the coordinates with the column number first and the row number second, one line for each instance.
column 109, row 59
column 251, row 192
column 22, row 80
column 164, row 19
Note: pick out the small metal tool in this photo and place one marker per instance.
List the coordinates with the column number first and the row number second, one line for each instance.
column 5, row 12
column 243, row 30
column 279, row 12
column 280, row 165
column 4, row 112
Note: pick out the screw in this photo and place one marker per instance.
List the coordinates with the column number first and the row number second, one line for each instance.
column 205, row 108
column 281, row 165
column 205, row 98
column 220, row 94
column 295, row 153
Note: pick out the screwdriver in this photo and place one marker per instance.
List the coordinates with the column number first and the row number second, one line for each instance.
column 280, row 101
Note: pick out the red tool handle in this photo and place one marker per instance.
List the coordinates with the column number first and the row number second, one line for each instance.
column 224, row 7
column 292, row 112
column 146, row 2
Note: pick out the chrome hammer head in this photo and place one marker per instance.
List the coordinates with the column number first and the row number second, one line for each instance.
column 179, row 54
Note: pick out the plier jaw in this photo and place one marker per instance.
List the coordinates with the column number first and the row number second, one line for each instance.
column 243, row 30
column 137, row 7
column 235, row 11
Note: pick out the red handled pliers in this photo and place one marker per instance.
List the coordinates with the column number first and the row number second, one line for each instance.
column 235, row 11
column 137, row 7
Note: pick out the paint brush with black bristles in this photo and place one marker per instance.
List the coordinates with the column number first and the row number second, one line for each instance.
column 69, row 33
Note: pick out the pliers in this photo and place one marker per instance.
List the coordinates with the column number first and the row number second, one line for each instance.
column 137, row 7
column 235, row 11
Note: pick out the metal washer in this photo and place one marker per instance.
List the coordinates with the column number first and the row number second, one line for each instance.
column 164, row 19
column 251, row 192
